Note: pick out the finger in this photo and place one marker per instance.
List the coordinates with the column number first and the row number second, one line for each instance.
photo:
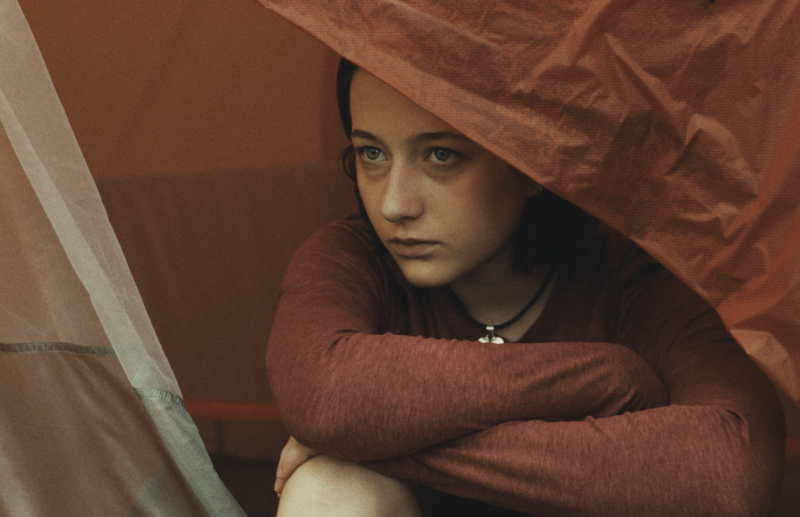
column 292, row 456
column 280, row 482
column 280, row 477
column 287, row 465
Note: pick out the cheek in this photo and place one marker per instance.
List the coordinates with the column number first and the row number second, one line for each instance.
column 495, row 224
column 494, row 208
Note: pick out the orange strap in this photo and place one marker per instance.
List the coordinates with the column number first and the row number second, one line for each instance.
column 239, row 411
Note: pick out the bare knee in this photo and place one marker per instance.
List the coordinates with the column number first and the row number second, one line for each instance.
column 333, row 487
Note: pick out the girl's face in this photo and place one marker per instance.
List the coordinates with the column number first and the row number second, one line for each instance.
column 445, row 208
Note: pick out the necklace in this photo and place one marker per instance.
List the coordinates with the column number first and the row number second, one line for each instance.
column 490, row 336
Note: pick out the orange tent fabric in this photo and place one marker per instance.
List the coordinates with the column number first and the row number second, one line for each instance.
column 677, row 123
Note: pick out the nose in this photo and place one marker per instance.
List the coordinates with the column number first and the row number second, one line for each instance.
column 402, row 193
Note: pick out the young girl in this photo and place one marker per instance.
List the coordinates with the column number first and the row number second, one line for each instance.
column 472, row 345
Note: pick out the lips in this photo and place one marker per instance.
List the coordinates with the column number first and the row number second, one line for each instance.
column 411, row 248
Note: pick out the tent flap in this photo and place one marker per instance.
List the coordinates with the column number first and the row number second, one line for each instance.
column 675, row 122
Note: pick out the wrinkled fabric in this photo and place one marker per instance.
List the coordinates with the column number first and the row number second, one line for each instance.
column 677, row 123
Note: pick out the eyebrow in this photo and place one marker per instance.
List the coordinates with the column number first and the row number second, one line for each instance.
column 416, row 139
column 365, row 135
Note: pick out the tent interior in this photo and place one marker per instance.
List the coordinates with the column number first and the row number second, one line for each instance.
column 212, row 133
column 213, row 136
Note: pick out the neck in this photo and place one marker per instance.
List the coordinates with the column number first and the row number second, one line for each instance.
column 514, row 308
column 497, row 296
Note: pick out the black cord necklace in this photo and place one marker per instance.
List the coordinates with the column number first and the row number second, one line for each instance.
column 490, row 336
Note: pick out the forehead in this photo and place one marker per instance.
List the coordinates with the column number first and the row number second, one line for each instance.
column 374, row 106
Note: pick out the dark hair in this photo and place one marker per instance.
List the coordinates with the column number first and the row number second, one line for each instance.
column 343, row 79
column 550, row 228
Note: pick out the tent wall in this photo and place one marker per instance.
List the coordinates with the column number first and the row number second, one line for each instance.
column 214, row 139
column 209, row 252
column 211, row 129
column 106, row 405
column 155, row 88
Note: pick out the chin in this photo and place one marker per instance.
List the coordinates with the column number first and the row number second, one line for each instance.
column 423, row 276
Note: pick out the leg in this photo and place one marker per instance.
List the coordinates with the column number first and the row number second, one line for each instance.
column 325, row 486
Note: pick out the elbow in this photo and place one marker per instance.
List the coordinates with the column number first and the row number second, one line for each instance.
column 755, row 496
column 316, row 420
column 724, row 487
column 303, row 414
column 313, row 412
column 747, row 482
column 297, row 394
column 760, row 489
column 325, row 432
column 756, row 464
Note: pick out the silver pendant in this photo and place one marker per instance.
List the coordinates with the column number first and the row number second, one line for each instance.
column 490, row 337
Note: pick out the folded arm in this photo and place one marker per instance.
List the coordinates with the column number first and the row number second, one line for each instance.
column 347, row 391
column 566, row 428
column 716, row 450
column 677, row 461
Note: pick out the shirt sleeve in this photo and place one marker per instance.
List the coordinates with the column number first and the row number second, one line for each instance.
column 716, row 449
column 673, row 420
column 348, row 391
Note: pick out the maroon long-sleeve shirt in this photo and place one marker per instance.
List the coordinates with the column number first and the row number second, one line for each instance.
column 626, row 397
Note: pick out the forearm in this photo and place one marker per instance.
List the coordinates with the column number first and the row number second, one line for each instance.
column 373, row 397
column 716, row 450
column 348, row 388
column 673, row 461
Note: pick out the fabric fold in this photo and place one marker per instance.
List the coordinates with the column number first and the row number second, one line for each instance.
column 675, row 123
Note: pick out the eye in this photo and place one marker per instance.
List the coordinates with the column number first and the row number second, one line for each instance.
column 370, row 154
column 441, row 156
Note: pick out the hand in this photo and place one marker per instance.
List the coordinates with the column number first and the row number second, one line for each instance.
column 292, row 456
